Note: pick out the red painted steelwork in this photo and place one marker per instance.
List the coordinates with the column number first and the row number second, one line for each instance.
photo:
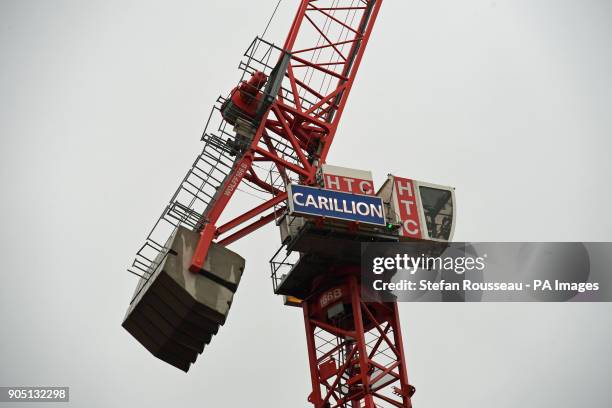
column 355, row 349
column 305, row 115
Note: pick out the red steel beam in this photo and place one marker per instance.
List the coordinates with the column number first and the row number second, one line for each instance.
column 249, row 228
column 251, row 213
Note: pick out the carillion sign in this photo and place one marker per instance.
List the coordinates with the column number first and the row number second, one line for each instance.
column 304, row 200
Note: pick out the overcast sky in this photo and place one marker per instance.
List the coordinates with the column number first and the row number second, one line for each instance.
column 102, row 104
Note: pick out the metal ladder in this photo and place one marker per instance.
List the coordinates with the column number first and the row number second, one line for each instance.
column 195, row 194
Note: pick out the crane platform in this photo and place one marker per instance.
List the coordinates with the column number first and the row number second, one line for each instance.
column 321, row 246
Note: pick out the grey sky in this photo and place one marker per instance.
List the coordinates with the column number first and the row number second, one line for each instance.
column 101, row 108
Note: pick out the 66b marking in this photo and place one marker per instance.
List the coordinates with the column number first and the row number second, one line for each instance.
column 330, row 296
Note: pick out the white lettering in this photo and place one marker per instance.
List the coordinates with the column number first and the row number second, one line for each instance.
column 310, row 201
column 350, row 206
column 346, row 210
column 323, row 203
column 407, row 187
column 335, row 206
column 362, row 209
column 333, row 182
column 295, row 199
column 365, row 187
column 349, row 183
column 376, row 210
column 407, row 204
column 411, row 226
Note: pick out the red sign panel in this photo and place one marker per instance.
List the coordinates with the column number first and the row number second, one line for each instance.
column 348, row 184
column 407, row 207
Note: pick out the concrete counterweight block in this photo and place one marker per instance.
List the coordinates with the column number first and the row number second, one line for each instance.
column 211, row 291
column 223, row 266
column 175, row 312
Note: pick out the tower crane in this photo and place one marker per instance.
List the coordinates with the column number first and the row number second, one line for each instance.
column 273, row 133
